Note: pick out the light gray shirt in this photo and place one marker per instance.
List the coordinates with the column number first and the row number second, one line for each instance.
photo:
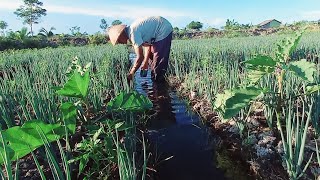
column 147, row 29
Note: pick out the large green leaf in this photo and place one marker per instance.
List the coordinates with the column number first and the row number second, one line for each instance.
column 232, row 101
column 259, row 66
column 22, row 140
column 287, row 46
column 132, row 101
column 303, row 69
column 76, row 86
column 261, row 61
column 254, row 76
column 69, row 113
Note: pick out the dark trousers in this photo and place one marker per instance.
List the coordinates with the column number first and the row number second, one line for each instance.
column 160, row 52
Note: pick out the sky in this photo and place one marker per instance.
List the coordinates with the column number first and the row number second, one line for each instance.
column 87, row 14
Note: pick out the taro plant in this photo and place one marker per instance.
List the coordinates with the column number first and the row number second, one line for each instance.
column 76, row 87
column 19, row 141
column 127, row 105
column 292, row 124
column 114, row 141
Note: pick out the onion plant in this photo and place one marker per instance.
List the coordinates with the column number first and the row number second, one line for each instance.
column 257, row 70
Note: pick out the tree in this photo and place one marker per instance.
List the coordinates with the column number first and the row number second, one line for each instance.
column 19, row 35
column 195, row 25
column 3, row 26
column 176, row 29
column 31, row 12
column 47, row 33
column 234, row 25
column 75, row 31
column 103, row 24
column 116, row 22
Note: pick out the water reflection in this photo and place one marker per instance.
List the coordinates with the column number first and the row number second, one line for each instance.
column 177, row 133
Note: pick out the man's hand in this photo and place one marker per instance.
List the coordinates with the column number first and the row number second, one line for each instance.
column 129, row 77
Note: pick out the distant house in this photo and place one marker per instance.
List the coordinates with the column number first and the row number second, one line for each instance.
column 272, row 23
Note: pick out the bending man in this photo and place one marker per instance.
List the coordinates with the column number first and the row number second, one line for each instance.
column 154, row 35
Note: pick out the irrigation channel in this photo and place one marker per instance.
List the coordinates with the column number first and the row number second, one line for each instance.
column 183, row 146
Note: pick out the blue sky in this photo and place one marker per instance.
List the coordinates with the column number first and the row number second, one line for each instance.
column 64, row 14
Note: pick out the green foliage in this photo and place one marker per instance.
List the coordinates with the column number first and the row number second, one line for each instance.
column 76, row 86
column 3, row 25
column 232, row 101
column 19, row 35
column 20, row 141
column 195, row 25
column 47, row 33
column 103, row 24
column 132, row 102
column 258, row 67
column 312, row 89
column 31, row 12
column 69, row 115
column 116, row 22
column 234, row 25
column 303, row 69
column 97, row 38
column 91, row 148
column 286, row 46
column 75, row 31
column 263, row 63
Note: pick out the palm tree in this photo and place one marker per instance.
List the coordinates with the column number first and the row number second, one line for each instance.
column 20, row 35
column 45, row 33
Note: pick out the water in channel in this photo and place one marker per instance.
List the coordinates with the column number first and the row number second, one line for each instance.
column 177, row 135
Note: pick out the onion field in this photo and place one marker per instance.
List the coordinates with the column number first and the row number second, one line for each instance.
column 69, row 112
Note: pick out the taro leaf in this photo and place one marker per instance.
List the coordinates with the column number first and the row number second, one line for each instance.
column 295, row 42
column 76, row 86
column 260, row 66
column 261, row 61
column 254, row 76
column 312, row 89
column 22, row 140
column 287, row 46
column 232, row 101
column 132, row 101
column 303, row 69
column 69, row 114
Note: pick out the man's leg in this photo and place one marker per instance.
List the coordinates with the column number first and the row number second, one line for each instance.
column 161, row 53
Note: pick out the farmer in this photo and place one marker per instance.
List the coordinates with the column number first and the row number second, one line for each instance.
column 151, row 38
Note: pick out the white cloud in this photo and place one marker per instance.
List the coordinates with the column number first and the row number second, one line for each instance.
column 115, row 12
column 216, row 22
column 212, row 22
column 311, row 15
column 120, row 11
column 134, row 12
column 10, row 4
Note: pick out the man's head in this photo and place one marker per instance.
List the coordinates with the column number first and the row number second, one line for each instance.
column 117, row 34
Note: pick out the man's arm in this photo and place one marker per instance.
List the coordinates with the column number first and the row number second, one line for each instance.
column 138, row 61
column 147, row 52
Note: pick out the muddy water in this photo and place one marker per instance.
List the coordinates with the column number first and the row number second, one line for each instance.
column 183, row 146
